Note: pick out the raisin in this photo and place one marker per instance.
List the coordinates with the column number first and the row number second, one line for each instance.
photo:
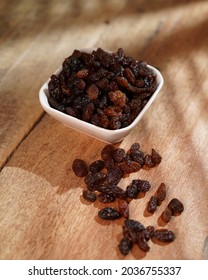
column 89, row 195
column 82, row 73
column 88, row 112
column 129, row 167
column 122, row 81
column 125, row 246
column 72, row 112
column 161, row 193
column 143, row 186
column 96, row 166
column 115, row 123
column 148, row 161
column 118, row 97
column 80, row 168
column 107, row 151
column 105, row 198
column 131, row 228
column 176, row 206
column 109, row 213
column 152, row 204
column 130, row 76
column 123, row 208
column 109, row 163
column 138, row 156
column 132, row 191
column 142, row 242
column 114, row 175
column 93, row 92
column 113, row 111
column 156, row 158
column 164, row 235
column 149, row 232
column 118, row 154
column 92, row 180
column 166, row 215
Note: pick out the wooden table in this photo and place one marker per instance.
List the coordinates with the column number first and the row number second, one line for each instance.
column 42, row 213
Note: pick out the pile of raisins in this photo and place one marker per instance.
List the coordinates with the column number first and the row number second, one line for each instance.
column 101, row 180
column 105, row 89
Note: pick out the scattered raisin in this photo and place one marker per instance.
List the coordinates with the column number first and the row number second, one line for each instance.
column 106, row 152
column 176, row 206
column 164, row 235
column 149, row 232
column 143, row 186
column 105, row 198
column 118, row 154
column 109, row 213
column 96, row 166
column 89, row 195
column 161, row 193
column 123, row 208
column 125, row 246
column 166, row 215
column 156, row 158
column 131, row 229
column 132, row 191
column 148, row 161
column 142, row 242
column 80, row 168
column 152, row 204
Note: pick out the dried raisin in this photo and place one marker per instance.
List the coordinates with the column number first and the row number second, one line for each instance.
column 109, row 213
column 80, row 168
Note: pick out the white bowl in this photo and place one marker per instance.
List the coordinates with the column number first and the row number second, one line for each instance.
column 106, row 135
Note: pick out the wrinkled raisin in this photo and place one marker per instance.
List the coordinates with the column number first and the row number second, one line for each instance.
column 125, row 246
column 142, row 242
column 149, row 232
column 176, row 206
column 164, row 235
column 109, row 213
column 118, row 154
column 123, row 208
column 96, row 166
column 161, row 193
column 152, row 204
column 131, row 228
column 93, row 92
column 132, row 191
column 80, row 168
column 118, row 97
column 106, row 152
column 166, row 215
column 114, row 175
column 156, row 158
column 143, row 186
column 105, row 198
column 89, row 195
column 148, row 161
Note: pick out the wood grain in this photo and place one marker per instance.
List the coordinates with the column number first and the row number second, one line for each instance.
column 42, row 213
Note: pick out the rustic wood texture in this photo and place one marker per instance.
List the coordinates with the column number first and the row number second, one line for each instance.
column 42, row 213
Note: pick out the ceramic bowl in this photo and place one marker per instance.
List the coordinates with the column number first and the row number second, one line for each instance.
column 106, row 135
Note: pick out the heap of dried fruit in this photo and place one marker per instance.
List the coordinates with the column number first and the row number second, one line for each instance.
column 102, row 177
column 106, row 89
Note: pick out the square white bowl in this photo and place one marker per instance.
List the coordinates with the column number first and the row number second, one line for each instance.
column 103, row 134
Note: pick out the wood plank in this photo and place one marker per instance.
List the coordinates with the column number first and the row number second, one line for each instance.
column 43, row 215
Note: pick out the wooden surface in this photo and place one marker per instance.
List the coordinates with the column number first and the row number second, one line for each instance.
column 42, row 214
